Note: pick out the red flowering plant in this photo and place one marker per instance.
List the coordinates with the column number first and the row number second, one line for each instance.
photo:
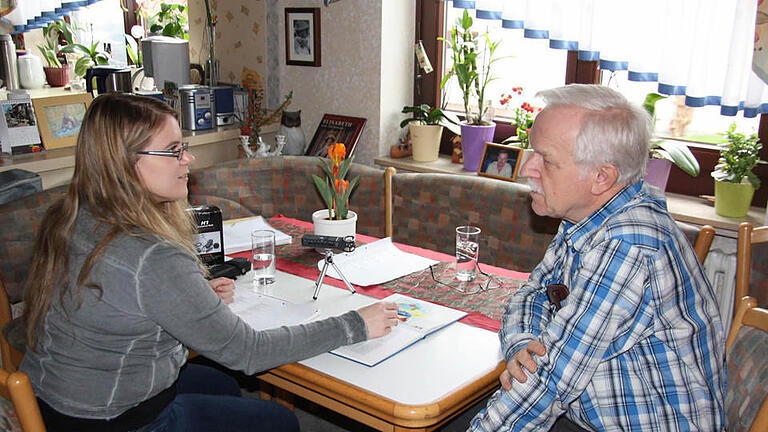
column 523, row 119
column 334, row 189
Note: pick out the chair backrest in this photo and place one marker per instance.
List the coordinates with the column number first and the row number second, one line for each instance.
column 11, row 356
column 15, row 387
column 703, row 242
column 746, row 400
column 746, row 269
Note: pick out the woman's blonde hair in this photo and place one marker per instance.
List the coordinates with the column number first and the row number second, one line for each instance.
column 105, row 181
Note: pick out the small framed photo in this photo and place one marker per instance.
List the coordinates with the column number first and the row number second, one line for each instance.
column 59, row 118
column 333, row 129
column 500, row 161
column 302, row 36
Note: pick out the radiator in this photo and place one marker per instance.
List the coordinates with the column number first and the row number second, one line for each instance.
column 720, row 268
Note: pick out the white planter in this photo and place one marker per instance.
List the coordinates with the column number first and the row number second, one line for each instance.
column 426, row 141
column 334, row 228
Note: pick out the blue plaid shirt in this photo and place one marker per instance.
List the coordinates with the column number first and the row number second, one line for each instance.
column 638, row 344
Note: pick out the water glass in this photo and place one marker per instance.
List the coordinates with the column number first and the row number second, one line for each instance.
column 467, row 248
column 263, row 257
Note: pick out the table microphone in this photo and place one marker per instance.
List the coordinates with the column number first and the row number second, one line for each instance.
column 344, row 244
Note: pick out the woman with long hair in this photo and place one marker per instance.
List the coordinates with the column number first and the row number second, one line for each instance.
column 116, row 291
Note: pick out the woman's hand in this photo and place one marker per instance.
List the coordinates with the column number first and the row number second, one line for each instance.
column 379, row 318
column 224, row 288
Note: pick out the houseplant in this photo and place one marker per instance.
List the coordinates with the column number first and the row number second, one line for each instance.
column 257, row 117
column 56, row 73
column 735, row 183
column 524, row 115
column 426, row 127
column 664, row 153
column 473, row 58
column 337, row 220
column 171, row 21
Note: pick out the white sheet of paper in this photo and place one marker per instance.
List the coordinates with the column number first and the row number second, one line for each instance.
column 237, row 235
column 376, row 263
column 264, row 312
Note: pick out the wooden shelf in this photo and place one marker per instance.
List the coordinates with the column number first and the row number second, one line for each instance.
column 684, row 208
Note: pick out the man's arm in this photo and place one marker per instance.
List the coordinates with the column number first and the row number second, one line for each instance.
column 606, row 291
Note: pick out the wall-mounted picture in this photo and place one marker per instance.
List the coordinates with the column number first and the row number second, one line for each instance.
column 302, row 36
column 500, row 161
column 59, row 118
column 333, row 129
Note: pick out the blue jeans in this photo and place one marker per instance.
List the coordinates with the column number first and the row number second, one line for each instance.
column 210, row 400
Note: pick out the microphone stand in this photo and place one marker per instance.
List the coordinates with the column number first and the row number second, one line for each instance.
column 329, row 261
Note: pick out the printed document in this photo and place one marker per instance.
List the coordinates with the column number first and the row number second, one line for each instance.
column 264, row 312
column 237, row 235
column 376, row 263
column 418, row 318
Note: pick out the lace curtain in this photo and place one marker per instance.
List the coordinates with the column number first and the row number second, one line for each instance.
column 32, row 14
column 698, row 48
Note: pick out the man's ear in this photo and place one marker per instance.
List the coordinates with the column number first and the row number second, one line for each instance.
column 606, row 176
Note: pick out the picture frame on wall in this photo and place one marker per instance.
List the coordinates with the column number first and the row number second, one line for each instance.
column 500, row 162
column 59, row 118
column 302, row 36
column 333, row 129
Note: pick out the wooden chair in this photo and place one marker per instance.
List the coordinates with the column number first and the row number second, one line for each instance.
column 748, row 236
column 388, row 174
column 11, row 356
column 15, row 387
column 703, row 242
column 746, row 400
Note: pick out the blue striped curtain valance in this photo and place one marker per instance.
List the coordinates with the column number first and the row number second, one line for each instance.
column 32, row 14
column 698, row 48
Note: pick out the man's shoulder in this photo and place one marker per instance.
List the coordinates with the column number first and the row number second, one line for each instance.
column 643, row 221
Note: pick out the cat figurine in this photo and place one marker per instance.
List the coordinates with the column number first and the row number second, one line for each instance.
column 290, row 126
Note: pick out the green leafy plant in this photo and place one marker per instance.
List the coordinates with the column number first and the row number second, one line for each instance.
column 738, row 157
column 673, row 151
column 334, row 189
column 525, row 114
column 52, row 52
column 91, row 57
column 466, row 50
column 171, row 21
column 424, row 114
column 132, row 48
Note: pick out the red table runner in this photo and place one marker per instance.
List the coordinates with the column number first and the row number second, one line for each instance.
column 485, row 308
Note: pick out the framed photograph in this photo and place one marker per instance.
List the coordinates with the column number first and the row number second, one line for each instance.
column 333, row 129
column 59, row 118
column 500, row 161
column 302, row 36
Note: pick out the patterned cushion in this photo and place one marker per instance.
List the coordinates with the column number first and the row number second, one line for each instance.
column 747, row 378
column 428, row 207
column 9, row 421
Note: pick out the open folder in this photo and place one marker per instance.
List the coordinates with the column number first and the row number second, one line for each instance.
column 237, row 235
column 418, row 318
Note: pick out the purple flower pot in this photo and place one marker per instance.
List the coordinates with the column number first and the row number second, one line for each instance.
column 657, row 173
column 473, row 139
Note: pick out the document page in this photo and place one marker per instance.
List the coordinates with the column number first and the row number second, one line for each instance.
column 417, row 318
column 237, row 235
column 264, row 312
column 376, row 263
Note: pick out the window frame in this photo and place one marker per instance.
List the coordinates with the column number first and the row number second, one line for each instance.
column 430, row 24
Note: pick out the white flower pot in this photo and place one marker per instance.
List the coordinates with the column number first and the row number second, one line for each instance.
column 426, row 141
column 334, row 228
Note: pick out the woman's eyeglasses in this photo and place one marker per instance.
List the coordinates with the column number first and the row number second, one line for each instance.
column 178, row 153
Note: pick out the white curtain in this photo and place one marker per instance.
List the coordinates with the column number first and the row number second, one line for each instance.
column 32, row 14
column 698, row 48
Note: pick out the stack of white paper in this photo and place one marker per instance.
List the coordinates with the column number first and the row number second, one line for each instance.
column 237, row 235
column 376, row 263
column 264, row 312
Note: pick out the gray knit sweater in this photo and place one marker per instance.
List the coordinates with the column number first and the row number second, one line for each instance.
column 115, row 351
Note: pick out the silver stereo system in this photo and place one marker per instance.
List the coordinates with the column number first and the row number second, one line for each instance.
column 197, row 105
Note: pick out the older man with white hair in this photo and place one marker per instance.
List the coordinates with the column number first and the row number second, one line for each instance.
column 617, row 328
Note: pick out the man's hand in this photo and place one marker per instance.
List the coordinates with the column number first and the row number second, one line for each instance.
column 521, row 359
column 224, row 288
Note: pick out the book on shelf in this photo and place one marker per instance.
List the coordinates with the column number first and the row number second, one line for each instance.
column 418, row 318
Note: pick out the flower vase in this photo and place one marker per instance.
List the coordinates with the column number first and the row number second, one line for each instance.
column 473, row 139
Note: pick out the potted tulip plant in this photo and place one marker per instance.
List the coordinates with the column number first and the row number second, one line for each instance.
column 473, row 58
column 426, row 128
column 735, row 183
column 337, row 220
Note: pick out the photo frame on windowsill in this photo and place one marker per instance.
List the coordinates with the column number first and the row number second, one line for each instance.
column 500, row 162
column 334, row 129
column 59, row 118
column 302, row 36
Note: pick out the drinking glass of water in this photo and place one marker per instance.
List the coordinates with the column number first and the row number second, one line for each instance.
column 467, row 248
column 263, row 256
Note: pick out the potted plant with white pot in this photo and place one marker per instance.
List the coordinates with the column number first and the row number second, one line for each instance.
column 735, row 183
column 426, row 129
column 336, row 220
column 473, row 58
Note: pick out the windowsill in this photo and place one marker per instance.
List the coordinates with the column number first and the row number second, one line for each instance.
column 684, row 208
